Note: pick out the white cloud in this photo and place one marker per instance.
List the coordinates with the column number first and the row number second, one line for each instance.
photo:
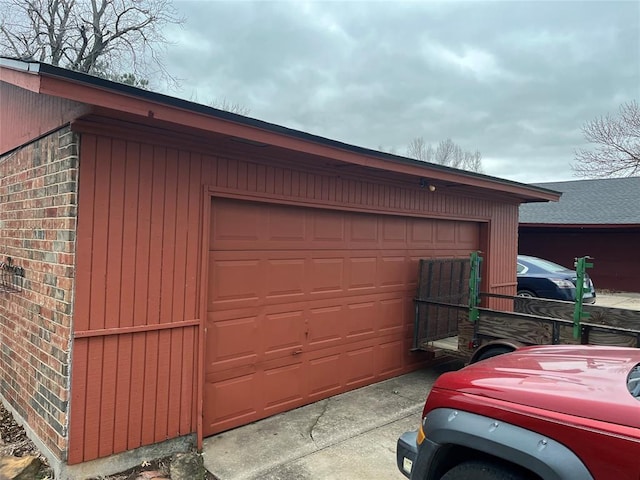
column 481, row 64
column 515, row 80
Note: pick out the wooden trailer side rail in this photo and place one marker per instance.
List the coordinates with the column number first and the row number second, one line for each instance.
column 441, row 295
column 542, row 330
column 620, row 317
column 538, row 330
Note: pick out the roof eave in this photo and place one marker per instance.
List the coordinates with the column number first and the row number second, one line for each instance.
column 21, row 74
column 105, row 94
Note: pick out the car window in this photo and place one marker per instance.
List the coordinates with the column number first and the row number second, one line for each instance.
column 521, row 268
column 546, row 265
column 633, row 381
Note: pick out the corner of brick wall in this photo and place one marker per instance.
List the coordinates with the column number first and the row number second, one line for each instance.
column 38, row 209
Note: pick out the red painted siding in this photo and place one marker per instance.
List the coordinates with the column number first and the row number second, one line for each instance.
column 615, row 252
column 25, row 115
column 134, row 375
column 139, row 259
column 500, row 256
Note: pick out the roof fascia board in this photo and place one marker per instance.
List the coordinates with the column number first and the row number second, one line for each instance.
column 20, row 65
column 26, row 78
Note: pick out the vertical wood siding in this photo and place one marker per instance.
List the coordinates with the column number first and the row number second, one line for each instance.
column 501, row 256
column 135, row 349
column 134, row 382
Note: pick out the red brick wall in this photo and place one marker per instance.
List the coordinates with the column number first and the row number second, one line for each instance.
column 38, row 185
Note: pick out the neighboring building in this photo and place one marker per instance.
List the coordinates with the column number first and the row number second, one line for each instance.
column 188, row 270
column 599, row 218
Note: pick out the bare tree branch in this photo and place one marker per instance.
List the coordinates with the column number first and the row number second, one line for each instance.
column 11, row 40
column 616, row 140
column 447, row 152
column 420, row 150
column 228, row 106
column 100, row 37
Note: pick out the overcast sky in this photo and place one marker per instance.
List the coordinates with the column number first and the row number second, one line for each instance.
column 514, row 80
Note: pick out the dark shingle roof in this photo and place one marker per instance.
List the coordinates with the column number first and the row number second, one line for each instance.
column 588, row 202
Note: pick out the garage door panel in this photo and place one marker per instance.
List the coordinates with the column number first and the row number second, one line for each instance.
column 392, row 271
column 359, row 366
column 329, row 227
column 445, row 233
column 325, row 326
column 282, row 333
column 363, row 232
column 236, row 223
column 284, row 225
column 391, row 317
column 420, row 234
column 284, row 278
column 323, row 375
column 230, row 402
column 236, row 282
column 413, row 264
column 235, row 313
column 360, row 320
column 362, row 273
column 394, row 232
column 214, row 376
column 389, row 358
column 450, row 253
column 282, row 388
column 310, row 304
column 326, row 275
column 409, row 311
column 233, row 342
column 467, row 235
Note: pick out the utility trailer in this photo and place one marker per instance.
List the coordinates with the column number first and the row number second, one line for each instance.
column 454, row 317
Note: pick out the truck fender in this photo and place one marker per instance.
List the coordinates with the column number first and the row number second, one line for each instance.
column 539, row 454
column 494, row 348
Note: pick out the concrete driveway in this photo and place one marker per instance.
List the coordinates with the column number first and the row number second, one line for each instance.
column 351, row 436
column 629, row 301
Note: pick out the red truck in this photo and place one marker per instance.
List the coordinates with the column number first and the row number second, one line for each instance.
column 556, row 412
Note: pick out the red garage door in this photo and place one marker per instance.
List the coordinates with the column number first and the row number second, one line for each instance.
column 306, row 303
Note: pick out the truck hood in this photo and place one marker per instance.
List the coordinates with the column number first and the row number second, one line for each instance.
column 586, row 381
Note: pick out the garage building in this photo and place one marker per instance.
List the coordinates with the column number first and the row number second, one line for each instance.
column 176, row 271
column 599, row 218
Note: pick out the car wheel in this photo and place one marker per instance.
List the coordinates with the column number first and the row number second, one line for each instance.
column 482, row 471
column 493, row 352
column 526, row 293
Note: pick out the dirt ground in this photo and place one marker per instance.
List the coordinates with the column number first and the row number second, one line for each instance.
column 14, row 442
